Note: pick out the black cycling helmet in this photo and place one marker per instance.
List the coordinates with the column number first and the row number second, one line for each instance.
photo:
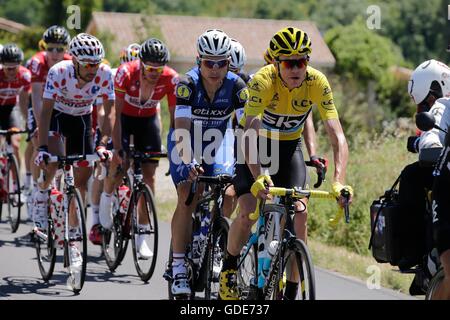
column 56, row 34
column 154, row 50
column 11, row 53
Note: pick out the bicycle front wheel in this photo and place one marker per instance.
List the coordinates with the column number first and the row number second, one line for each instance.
column 115, row 241
column 13, row 198
column 76, row 247
column 434, row 284
column 216, row 251
column 46, row 251
column 296, row 266
column 144, row 232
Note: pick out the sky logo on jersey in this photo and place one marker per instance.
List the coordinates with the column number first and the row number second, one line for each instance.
column 287, row 123
column 183, row 91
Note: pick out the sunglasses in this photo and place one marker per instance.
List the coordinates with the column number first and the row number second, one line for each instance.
column 11, row 67
column 56, row 49
column 89, row 65
column 211, row 63
column 149, row 68
column 290, row 64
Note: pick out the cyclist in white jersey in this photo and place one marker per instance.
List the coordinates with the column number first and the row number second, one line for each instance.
column 70, row 91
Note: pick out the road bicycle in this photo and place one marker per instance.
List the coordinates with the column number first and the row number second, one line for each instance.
column 275, row 252
column 207, row 249
column 125, row 218
column 10, row 190
column 65, row 205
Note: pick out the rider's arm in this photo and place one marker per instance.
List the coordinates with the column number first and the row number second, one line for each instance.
column 309, row 134
column 249, row 145
column 46, row 114
column 340, row 148
column 183, row 138
column 117, row 128
column 37, row 88
column 251, row 120
column 108, row 120
column 24, row 97
column 183, row 120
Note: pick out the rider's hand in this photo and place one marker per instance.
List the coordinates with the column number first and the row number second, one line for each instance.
column 321, row 164
column 259, row 188
column 194, row 169
column 42, row 156
column 103, row 153
column 413, row 144
column 337, row 187
column 13, row 129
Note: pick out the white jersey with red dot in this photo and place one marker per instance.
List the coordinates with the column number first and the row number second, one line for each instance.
column 62, row 86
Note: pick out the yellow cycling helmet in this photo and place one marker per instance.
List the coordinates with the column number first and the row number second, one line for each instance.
column 290, row 41
column 268, row 57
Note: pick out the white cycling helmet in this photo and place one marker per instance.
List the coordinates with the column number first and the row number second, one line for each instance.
column 85, row 47
column 237, row 55
column 214, row 42
column 130, row 53
column 423, row 77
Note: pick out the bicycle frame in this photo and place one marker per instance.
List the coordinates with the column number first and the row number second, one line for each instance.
column 266, row 281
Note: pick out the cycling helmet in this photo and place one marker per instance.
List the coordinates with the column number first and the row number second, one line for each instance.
column 430, row 76
column 290, row 41
column 129, row 53
column 268, row 57
column 154, row 50
column 86, row 47
column 237, row 55
column 56, row 34
column 214, row 42
column 11, row 53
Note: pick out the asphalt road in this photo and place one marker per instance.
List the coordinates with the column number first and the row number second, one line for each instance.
column 20, row 277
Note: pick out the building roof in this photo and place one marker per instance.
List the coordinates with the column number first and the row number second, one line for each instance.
column 180, row 33
column 11, row 26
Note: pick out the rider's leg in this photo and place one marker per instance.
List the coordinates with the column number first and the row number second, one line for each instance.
column 40, row 197
column 112, row 180
column 181, row 235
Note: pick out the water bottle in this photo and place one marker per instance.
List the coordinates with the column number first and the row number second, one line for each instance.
column 124, row 198
column 56, row 202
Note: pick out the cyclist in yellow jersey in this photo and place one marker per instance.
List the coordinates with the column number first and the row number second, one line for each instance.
column 281, row 96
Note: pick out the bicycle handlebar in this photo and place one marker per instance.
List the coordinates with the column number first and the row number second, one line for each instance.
column 8, row 132
column 299, row 193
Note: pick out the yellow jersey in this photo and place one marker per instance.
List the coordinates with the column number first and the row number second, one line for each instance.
column 285, row 111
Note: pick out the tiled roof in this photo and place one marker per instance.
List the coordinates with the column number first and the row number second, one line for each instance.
column 11, row 26
column 180, row 33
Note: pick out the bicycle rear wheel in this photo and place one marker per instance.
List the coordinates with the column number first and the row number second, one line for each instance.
column 13, row 198
column 215, row 254
column 434, row 284
column 296, row 262
column 115, row 241
column 46, row 251
column 140, row 235
column 78, row 238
